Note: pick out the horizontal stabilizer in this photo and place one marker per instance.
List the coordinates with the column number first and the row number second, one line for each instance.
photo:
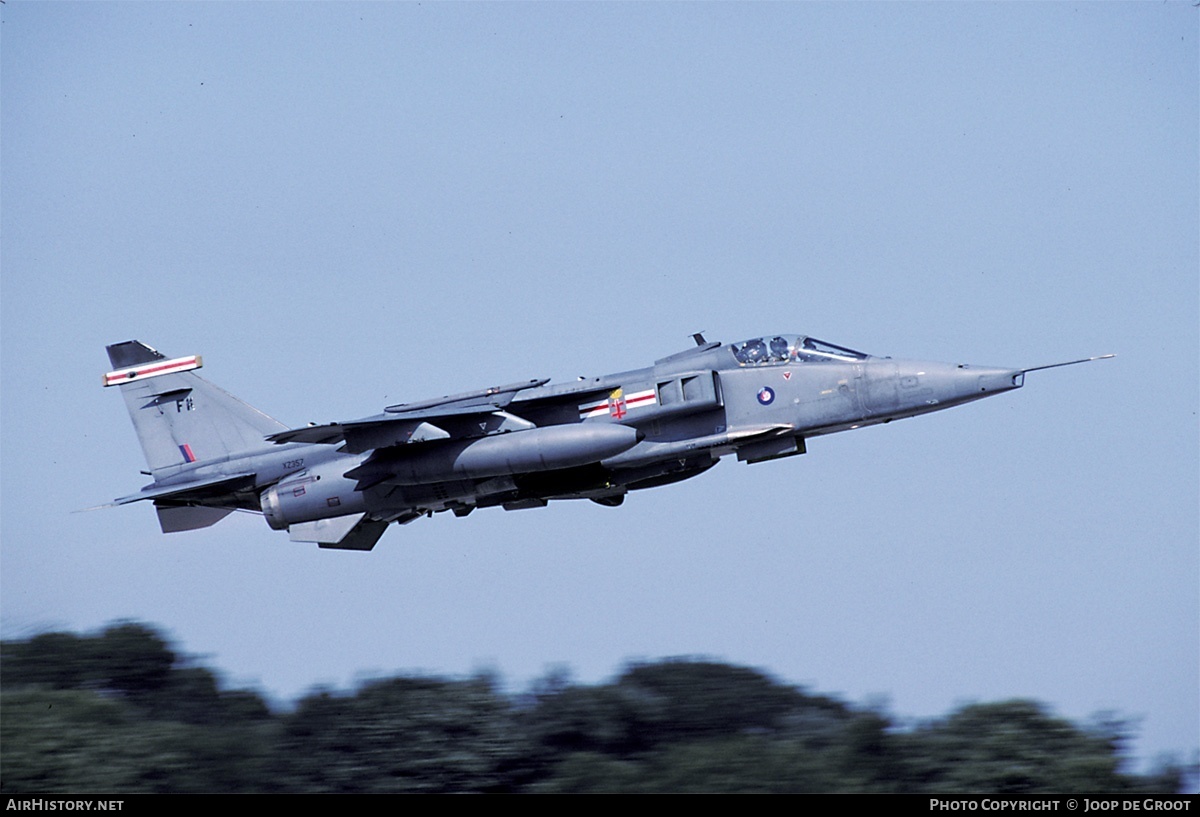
column 198, row 491
column 173, row 520
column 328, row 434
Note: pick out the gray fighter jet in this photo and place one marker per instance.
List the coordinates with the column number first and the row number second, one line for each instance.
column 514, row 446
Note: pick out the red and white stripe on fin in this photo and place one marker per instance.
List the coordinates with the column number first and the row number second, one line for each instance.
column 153, row 369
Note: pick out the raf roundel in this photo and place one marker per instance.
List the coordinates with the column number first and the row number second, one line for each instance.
column 766, row 395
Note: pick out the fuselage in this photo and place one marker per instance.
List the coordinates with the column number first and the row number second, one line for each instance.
column 759, row 399
column 515, row 446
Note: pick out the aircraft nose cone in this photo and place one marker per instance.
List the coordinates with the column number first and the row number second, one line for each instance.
column 992, row 381
column 953, row 384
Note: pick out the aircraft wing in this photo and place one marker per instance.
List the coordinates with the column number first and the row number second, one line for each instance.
column 336, row 433
column 422, row 426
column 474, row 414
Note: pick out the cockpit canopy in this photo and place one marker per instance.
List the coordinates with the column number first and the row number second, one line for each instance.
column 791, row 349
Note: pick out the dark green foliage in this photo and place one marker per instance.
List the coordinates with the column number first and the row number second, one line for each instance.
column 1018, row 747
column 694, row 700
column 706, row 727
column 191, row 695
column 78, row 741
column 54, row 660
column 670, row 702
column 121, row 712
column 129, row 662
column 403, row 734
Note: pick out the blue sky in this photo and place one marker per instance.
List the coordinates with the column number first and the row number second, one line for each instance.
column 344, row 206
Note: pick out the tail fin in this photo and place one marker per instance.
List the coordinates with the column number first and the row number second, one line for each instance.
column 179, row 416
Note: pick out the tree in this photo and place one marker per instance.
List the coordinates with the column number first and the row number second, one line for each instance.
column 402, row 734
column 1018, row 747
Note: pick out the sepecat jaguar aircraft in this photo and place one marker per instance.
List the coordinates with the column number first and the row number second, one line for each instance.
column 514, row 446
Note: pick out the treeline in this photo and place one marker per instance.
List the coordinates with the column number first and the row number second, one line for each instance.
column 122, row 712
